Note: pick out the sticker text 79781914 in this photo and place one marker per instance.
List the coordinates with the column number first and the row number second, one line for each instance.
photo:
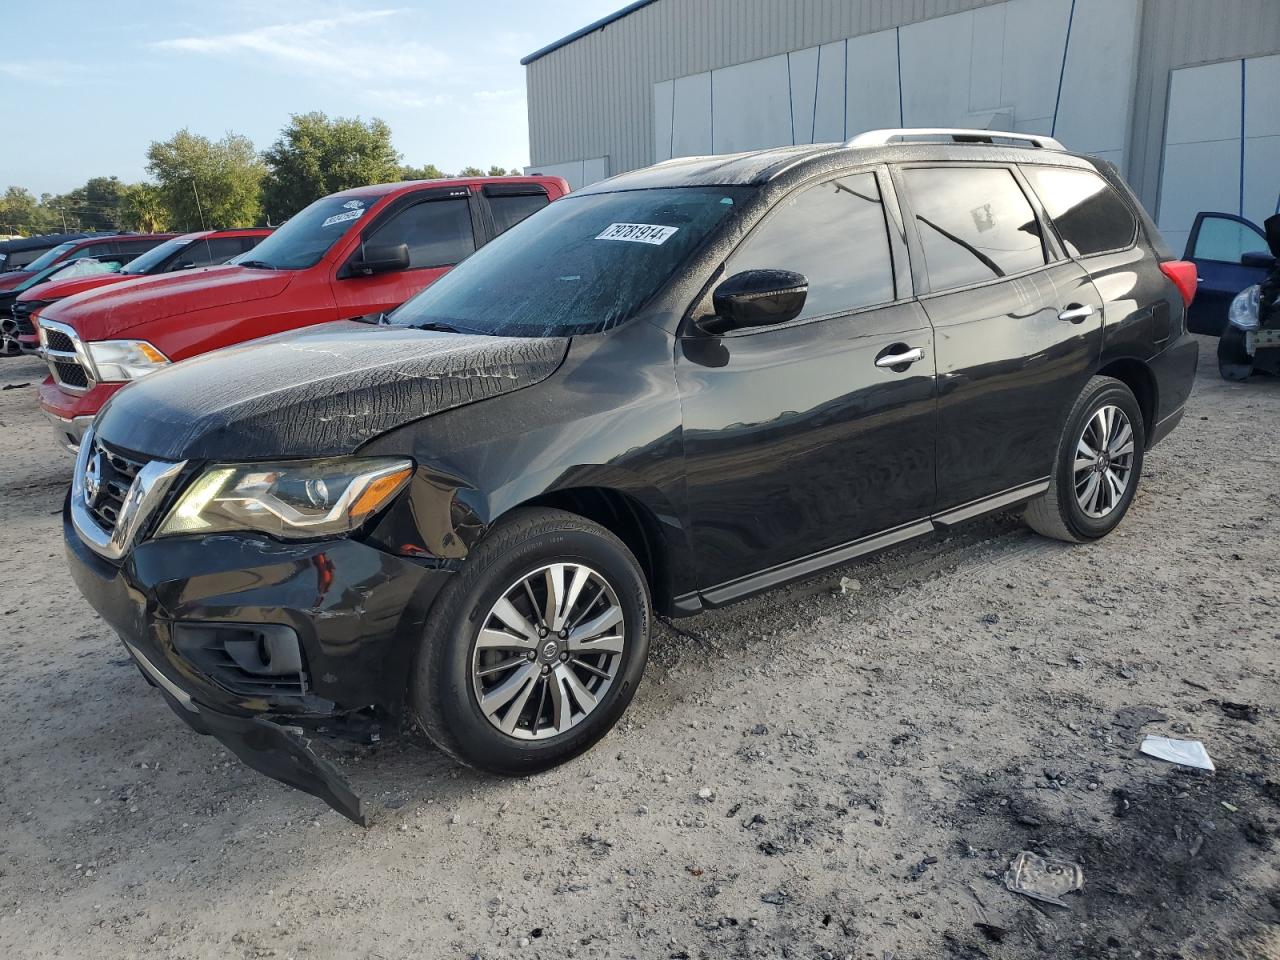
column 638, row 233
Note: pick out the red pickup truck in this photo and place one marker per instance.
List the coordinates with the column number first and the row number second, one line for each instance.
column 203, row 248
column 101, row 245
column 354, row 254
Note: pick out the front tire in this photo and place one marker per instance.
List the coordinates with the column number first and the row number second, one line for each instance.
column 535, row 648
column 1096, row 468
column 1234, row 362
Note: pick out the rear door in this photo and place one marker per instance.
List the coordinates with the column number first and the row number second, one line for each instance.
column 1018, row 328
column 438, row 226
column 506, row 204
column 798, row 441
column 1217, row 246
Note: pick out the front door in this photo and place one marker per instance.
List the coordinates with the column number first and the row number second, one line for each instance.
column 1016, row 339
column 798, row 438
column 437, row 225
column 1219, row 245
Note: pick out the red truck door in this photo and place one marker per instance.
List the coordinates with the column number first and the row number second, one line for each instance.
column 439, row 228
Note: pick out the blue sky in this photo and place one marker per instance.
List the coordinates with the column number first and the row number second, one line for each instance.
column 87, row 92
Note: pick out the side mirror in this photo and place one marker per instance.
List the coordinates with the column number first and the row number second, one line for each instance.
column 758, row 298
column 382, row 259
column 1272, row 227
column 1258, row 259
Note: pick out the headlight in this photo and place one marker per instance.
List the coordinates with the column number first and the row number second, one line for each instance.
column 118, row 360
column 1243, row 312
column 293, row 500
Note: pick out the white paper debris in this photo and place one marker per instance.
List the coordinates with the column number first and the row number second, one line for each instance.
column 1188, row 753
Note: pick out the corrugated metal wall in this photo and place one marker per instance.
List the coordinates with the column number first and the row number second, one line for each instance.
column 1180, row 33
column 593, row 98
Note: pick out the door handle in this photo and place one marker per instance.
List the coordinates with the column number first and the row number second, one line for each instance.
column 901, row 359
column 1076, row 314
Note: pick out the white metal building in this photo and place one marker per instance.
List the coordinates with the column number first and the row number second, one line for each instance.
column 1183, row 95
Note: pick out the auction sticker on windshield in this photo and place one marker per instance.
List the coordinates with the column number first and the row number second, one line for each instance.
column 355, row 210
column 638, row 233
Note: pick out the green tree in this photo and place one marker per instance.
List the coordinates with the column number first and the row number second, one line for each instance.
column 498, row 172
column 428, row 172
column 94, row 206
column 21, row 212
column 209, row 183
column 471, row 172
column 315, row 156
column 142, row 208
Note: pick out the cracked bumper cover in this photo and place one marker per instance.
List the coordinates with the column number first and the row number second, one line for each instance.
column 358, row 613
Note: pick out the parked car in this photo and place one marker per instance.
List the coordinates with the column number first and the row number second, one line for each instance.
column 666, row 392
column 17, row 252
column 1251, row 340
column 203, row 248
column 102, row 246
column 1231, row 253
column 72, row 270
column 352, row 254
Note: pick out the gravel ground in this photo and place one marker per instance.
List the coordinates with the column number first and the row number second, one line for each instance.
column 813, row 773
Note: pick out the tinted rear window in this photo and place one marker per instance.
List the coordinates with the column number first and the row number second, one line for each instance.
column 508, row 211
column 975, row 224
column 1088, row 214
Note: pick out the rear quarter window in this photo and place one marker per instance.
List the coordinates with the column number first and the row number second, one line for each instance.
column 1086, row 211
column 975, row 224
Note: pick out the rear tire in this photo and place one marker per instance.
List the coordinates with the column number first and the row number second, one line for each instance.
column 1234, row 362
column 508, row 681
column 1096, row 468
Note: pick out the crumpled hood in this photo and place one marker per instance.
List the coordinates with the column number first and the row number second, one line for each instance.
column 103, row 314
column 321, row 391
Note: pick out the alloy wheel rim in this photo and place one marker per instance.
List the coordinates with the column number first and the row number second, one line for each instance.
column 1103, row 466
column 548, row 651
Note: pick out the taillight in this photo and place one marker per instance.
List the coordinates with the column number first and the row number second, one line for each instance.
column 1184, row 276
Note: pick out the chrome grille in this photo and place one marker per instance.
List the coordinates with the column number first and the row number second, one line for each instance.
column 116, row 474
column 65, row 355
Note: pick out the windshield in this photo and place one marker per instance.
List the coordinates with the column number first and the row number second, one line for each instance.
column 46, row 258
column 307, row 236
column 155, row 256
column 583, row 264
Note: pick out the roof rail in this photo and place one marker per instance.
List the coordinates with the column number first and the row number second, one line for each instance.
column 879, row 138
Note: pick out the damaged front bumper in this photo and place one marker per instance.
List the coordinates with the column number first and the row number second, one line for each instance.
column 262, row 644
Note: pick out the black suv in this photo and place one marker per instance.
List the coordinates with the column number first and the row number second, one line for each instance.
column 665, row 392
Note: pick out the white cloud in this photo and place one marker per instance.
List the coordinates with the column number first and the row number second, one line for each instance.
column 345, row 45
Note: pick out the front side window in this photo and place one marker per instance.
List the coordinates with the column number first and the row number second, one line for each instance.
column 974, row 223
column 308, row 235
column 1227, row 240
column 583, row 265
column 437, row 232
column 835, row 234
column 1089, row 216
column 206, row 252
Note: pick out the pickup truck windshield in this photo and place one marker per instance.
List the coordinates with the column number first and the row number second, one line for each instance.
column 46, row 258
column 154, row 257
column 306, row 236
column 581, row 265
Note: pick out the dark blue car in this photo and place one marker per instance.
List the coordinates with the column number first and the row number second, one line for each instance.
column 1231, row 254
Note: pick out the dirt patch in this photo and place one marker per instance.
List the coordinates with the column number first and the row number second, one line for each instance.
column 816, row 772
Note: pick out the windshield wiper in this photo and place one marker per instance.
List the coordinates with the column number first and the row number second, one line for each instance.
column 255, row 264
column 435, row 325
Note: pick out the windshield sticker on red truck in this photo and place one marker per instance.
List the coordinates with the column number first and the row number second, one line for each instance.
column 354, row 211
column 638, row 233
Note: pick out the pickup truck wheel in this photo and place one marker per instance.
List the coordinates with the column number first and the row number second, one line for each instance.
column 1096, row 468
column 1234, row 362
column 535, row 648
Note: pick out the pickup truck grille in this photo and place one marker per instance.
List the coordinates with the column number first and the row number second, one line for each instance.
column 22, row 311
column 116, row 474
column 62, row 352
